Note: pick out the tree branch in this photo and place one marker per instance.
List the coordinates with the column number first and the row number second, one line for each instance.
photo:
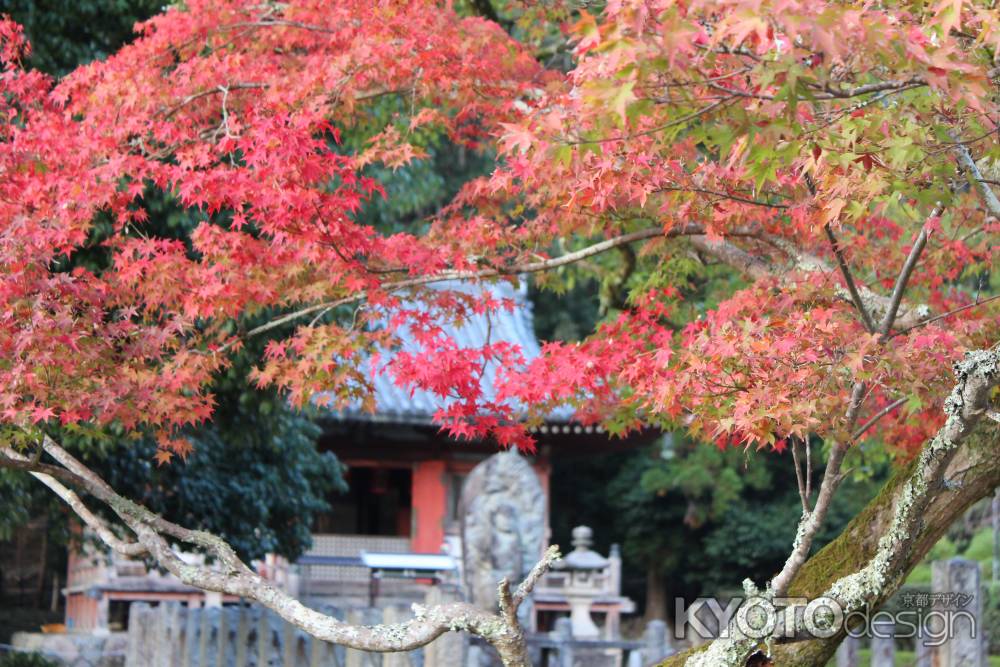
column 985, row 192
column 69, row 497
column 799, row 477
column 809, row 468
column 752, row 266
column 852, row 288
column 904, row 277
column 833, row 93
column 221, row 89
column 516, row 269
column 977, row 375
column 659, row 128
column 811, row 521
column 979, row 467
column 537, row 572
column 846, row 93
column 877, row 416
column 723, row 195
column 873, row 302
column 11, row 459
column 942, row 316
column 503, row 632
column 508, row 611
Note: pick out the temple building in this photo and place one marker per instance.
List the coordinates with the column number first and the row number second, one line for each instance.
column 406, row 478
column 398, row 528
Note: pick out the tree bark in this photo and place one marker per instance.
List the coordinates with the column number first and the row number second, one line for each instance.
column 973, row 474
column 656, row 596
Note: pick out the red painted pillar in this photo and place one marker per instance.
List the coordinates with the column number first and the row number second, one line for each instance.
column 430, row 503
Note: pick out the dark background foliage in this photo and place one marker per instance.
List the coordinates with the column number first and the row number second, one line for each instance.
column 66, row 33
column 255, row 476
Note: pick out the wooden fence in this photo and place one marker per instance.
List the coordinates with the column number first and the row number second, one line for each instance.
column 170, row 635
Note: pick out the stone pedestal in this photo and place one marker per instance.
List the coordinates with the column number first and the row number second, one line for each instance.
column 582, row 622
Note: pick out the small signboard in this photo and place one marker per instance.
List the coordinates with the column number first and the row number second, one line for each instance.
column 404, row 566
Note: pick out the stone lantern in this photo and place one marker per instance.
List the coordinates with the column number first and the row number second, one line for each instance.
column 588, row 580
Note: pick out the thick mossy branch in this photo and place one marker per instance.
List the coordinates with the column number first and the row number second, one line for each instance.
column 899, row 528
column 854, row 547
column 977, row 374
column 974, row 473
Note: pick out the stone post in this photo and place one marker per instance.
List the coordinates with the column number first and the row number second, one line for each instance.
column 447, row 649
column 392, row 615
column 242, row 635
column 190, row 636
column 615, row 569
column 952, row 580
column 168, row 633
column 364, row 616
column 137, row 653
column 208, row 620
column 655, row 638
column 563, row 634
column 222, row 648
column 612, row 624
column 923, row 651
column 101, row 622
column 883, row 641
column 847, row 652
column 264, row 639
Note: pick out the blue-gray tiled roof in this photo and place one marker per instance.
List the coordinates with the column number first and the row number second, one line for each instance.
column 401, row 405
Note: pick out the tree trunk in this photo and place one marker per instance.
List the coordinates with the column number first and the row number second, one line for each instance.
column 995, row 508
column 656, row 596
column 973, row 474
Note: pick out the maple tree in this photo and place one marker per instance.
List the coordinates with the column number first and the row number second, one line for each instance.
column 233, row 464
column 840, row 157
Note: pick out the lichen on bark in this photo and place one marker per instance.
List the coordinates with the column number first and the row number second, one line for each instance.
column 879, row 548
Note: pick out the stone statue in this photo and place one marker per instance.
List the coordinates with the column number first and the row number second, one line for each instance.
column 507, row 548
column 503, row 525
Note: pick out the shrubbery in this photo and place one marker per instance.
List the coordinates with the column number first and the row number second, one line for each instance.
column 26, row 660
